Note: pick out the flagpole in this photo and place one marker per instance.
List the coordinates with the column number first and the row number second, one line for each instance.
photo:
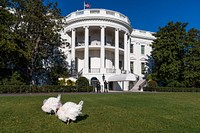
column 84, row 5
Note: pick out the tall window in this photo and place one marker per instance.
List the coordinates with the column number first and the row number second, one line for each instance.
column 142, row 49
column 89, row 40
column 142, row 68
column 120, row 65
column 76, row 63
column 131, row 48
column 89, row 62
column 76, row 42
column 132, row 66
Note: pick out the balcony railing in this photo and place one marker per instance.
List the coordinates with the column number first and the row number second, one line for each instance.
column 98, row 12
column 98, row 43
column 110, row 70
column 110, row 44
column 80, row 43
column 94, row 70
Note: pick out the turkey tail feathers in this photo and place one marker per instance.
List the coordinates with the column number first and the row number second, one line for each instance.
column 59, row 97
column 80, row 103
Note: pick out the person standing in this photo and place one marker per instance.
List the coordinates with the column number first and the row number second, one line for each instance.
column 105, row 86
column 98, row 86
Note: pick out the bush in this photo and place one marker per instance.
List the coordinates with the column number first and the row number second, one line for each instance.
column 82, row 81
column 85, row 89
column 70, row 83
column 61, row 82
column 149, row 77
column 171, row 89
column 15, row 79
column 43, row 89
column 176, row 84
column 152, row 84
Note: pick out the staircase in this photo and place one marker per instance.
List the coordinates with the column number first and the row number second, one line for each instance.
column 138, row 86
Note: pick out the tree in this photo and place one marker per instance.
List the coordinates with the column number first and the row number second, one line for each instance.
column 39, row 25
column 168, row 53
column 192, row 59
column 11, row 51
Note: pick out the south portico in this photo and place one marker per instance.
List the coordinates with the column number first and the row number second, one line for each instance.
column 101, row 42
column 101, row 49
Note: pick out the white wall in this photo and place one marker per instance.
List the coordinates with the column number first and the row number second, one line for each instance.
column 138, row 38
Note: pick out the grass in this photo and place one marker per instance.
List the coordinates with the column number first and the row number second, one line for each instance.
column 105, row 113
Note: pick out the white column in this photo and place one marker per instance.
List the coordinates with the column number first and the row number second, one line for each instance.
column 128, row 55
column 73, row 45
column 86, row 51
column 102, row 55
column 117, row 50
column 125, row 53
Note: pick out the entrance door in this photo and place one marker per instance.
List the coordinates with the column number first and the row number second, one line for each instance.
column 110, row 85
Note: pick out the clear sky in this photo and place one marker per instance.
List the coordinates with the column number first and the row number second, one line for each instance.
column 143, row 14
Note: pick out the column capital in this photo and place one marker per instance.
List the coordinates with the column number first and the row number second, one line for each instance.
column 117, row 29
column 73, row 29
column 86, row 27
column 126, row 33
column 102, row 26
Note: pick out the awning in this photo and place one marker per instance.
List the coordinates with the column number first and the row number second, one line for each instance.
column 123, row 77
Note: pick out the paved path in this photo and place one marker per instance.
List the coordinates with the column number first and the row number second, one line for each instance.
column 56, row 93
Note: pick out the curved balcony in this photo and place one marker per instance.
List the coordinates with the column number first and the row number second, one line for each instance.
column 98, row 13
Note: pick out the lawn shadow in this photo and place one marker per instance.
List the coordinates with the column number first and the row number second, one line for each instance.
column 80, row 118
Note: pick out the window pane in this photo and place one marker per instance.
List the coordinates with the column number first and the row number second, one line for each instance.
column 131, row 48
column 142, row 49
column 132, row 66
column 142, row 67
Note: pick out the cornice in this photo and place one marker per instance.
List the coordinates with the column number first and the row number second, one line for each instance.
column 105, row 19
column 143, row 37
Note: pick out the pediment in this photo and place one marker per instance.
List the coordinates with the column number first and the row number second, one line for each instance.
column 143, row 59
column 132, row 58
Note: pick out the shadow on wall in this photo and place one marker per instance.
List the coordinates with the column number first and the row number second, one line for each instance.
column 116, row 86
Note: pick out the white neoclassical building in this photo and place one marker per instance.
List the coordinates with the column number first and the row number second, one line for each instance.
column 103, row 44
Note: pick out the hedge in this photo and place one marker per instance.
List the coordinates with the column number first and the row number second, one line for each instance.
column 43, row 89
column 171, row 89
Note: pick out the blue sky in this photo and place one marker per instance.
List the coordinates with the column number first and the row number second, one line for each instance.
column 143, row 14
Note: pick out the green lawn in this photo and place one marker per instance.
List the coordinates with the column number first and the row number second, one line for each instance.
column 105, row 113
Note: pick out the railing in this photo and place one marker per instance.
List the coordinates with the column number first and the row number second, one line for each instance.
column 80, row 73
column 123, row 71
column 98, row 43
column 94, row 70
column 79, row 12
column 110, row 13
column 99, row 12
column 143, row 84
column 80, row 44
column 95, row 43
column 110, row 70
column 94, row 11
column 110, row 44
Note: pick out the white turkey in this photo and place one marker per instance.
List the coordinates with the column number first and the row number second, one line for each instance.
column 69, row 111
column 52, row 104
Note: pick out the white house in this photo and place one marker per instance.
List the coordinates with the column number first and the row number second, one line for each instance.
column 103, row 45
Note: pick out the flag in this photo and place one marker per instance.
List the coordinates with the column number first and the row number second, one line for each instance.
column 87, row 5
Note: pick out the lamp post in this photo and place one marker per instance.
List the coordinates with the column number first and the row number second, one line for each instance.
column 145, row 72
column 103, row 78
